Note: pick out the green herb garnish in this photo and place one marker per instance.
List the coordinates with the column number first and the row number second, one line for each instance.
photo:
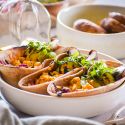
column 39, row 51
column 100, row 72
column 75, row 59
column 49, row 1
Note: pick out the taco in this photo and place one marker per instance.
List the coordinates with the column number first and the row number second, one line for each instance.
column 100, row 77
column 18, row 62
column 65, row 64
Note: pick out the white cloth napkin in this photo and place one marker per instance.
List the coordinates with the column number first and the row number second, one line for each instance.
column 7, row 117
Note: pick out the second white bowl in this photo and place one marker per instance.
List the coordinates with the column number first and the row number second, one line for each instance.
column 111, row 44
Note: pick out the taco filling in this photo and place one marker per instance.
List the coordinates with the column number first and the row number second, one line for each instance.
column 62, row 65
column 97, row 74
column 34, row 55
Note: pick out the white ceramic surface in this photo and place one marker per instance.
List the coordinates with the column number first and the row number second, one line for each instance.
column 73, row 2
column 35, row 104
column 111, row 44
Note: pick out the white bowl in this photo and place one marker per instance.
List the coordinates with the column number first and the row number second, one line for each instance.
column 36, row 104
column 111, row 44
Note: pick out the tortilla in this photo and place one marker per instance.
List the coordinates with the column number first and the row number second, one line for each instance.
column 42, row 88
column 10, row 73
column 83, row 93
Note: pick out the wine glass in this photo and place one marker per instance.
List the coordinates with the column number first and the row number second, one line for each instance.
column 26, row 19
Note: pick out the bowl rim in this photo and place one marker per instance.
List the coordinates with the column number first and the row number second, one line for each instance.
column 86, row 5
column 62, row 98
column 65, row 98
